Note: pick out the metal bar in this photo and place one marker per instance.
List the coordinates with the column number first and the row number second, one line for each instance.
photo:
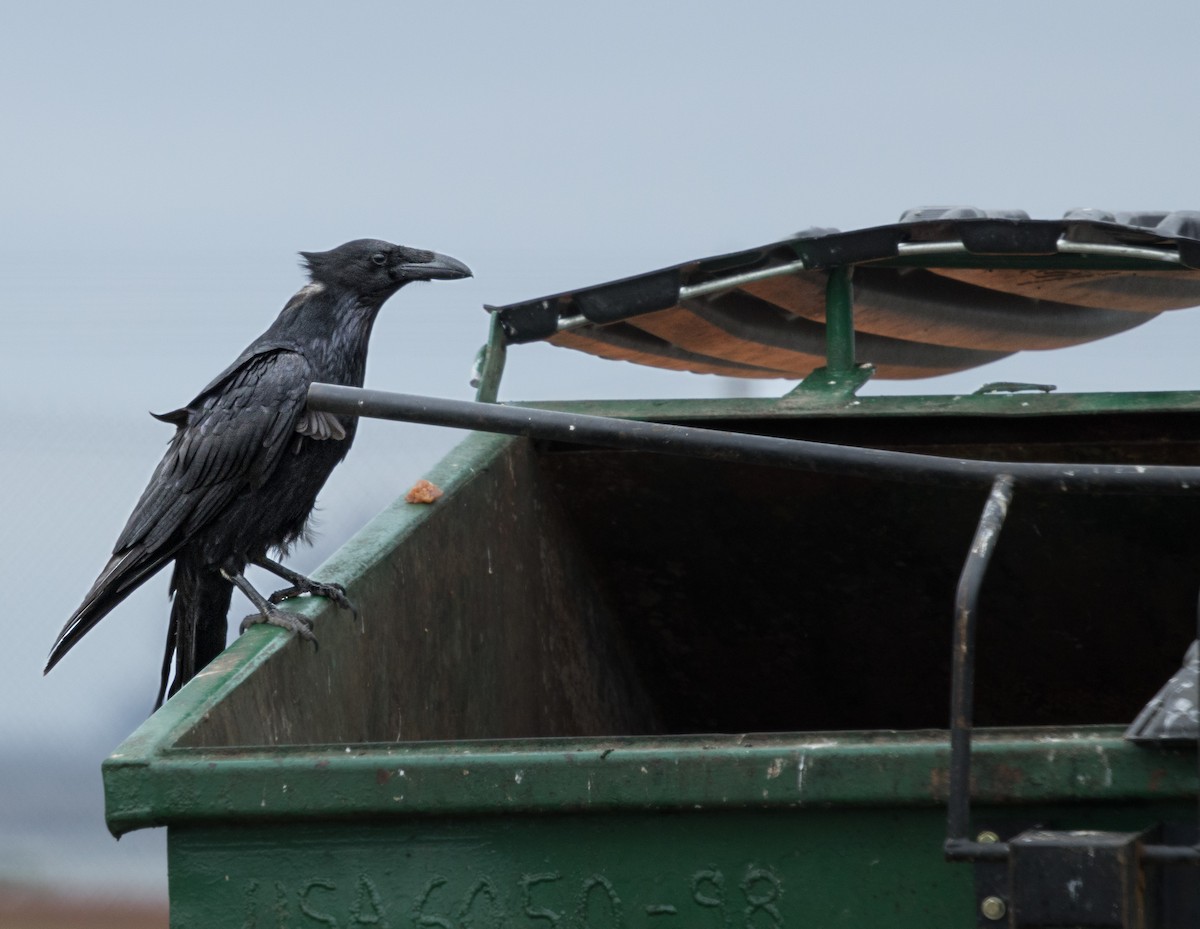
column 1172, row 854
column 1064, row 246
column 1067, row 247
column 839, row 322
column 796, row 454
column 489, row 366
column 736, row 280
column 962, row 693
column 966, row 850
column 949, row 247
column 566, row 323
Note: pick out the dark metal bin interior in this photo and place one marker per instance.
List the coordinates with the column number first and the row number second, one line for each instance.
column 567, row 591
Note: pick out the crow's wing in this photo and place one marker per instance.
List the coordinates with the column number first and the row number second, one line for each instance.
column 228, row 440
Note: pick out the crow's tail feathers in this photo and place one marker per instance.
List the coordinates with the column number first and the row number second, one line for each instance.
column 123, row 574
column 199, row 621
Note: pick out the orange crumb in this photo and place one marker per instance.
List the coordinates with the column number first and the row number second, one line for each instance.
column 423, row 492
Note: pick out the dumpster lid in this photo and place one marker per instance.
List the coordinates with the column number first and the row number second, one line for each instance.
column 942, row 290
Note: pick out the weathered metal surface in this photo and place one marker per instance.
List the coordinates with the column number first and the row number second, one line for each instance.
column 1170, row 895
column 687, row 602
column 785, row 771
column 1076, row 878
column 483, row 621
column 507, row 734
column 727, row 870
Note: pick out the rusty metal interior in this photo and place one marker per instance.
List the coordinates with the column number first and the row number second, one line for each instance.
column 576, row 591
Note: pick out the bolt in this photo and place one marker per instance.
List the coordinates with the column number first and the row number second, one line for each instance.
column 993, row 908
column 987, row 837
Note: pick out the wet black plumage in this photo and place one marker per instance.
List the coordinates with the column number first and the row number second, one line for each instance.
column 241, row 475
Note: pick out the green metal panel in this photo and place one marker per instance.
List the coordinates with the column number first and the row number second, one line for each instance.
column 732, row 870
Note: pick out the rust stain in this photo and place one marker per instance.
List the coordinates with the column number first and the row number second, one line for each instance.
column 382, row 776
column 1000, row 780
column 1157, row 776
column 1006, row 779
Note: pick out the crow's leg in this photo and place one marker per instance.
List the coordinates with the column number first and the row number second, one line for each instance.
column 267, row 611
column 305, row 585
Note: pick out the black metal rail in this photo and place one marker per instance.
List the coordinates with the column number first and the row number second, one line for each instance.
column 962, row 689
column 796, row 454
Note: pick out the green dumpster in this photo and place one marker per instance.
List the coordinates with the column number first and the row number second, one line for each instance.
column 609, row 687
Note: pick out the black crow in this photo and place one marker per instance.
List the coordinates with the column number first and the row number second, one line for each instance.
column 241, row 475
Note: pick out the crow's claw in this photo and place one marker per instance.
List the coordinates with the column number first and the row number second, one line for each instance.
column 300, row 625
column 334, row 592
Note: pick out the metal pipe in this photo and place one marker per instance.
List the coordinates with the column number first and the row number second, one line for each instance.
column 1067, row 247
column 737, row 280
column 567, row 323
column 796, row 454
column 966, row 850
column 1171, row 854
column 1064, row 246
column 948, row 247
column 962, row 690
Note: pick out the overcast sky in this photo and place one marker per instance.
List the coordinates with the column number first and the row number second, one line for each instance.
column 163, row 163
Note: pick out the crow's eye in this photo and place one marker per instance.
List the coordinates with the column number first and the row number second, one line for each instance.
column 379, row 258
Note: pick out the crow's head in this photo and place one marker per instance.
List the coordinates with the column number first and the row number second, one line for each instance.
column 375, row 270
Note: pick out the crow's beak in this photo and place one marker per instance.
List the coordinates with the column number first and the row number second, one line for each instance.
column 438, row 268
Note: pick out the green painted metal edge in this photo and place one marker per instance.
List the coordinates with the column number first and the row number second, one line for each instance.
column 490, row 363
column 630, row 774
column 798, row 404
